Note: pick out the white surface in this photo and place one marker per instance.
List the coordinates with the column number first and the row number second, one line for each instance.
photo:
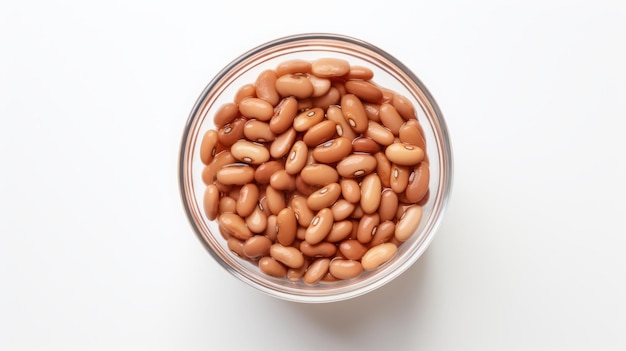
column 97, row 254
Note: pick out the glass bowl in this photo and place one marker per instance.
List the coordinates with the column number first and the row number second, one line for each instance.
column 388, row 73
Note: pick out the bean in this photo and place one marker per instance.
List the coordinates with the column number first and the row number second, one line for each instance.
column 367, row 225
column 342, row 209
column 372, row 111
column 257, row 246
column 246, row 91
column 281, row 180
column 418, row 182
column 264, row 172
column 332, row 97
column 302, row 212
column 297, row 158
column 364, row 90
column 271, row 267
column 350, row 190
column 371, row 189
column 256, row 108
column 408, row 223
column 283, row 143
column 354, row 113
column 227, row 205
column 316, row 271
column 399, row 178
column 365, row 145
column 339, row 231
column 320, row 226
column 208, row 146
column 330, row 67
column 211, row 201
column 360, row 72
column 404, row 154
column 335, row 114
column 383, row 169
column 390, row 118
column 333, row 150
column 325, row 197
column 352, row 249
column 275, row 200
column 384, row 232
column 308, row 119
column 411, row 133
column 323, row 249
column 304, row 188
column 345, row 269
column 293, row 66
column 377, row 255
column 319, row 133
column 295, row 274
column 235, row 245
column 231, row 132
column 379, row 134
column 321, row 86
column 388, row 205
column 319, row 174
column 286, row 225
column 257, row 220
column 287, row 255
column 356, row 165
column 250, row 152
column 266, row 87
column 237, row 174
column 270, row 230
column 283, row 116
column 247, row 200
column 258, row 131
column 225, row 114
column 235, row 225
column 404, row 107
column 297, row 85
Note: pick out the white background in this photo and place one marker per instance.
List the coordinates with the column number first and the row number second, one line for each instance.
column 97, row 254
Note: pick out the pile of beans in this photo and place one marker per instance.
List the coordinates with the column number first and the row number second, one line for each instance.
column 314, row 172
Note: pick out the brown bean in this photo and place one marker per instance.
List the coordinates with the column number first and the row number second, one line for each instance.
column 235, row 245
column 367, row 225
column 271, row 267
column 305, row 104
column 352, row 249
column 330, row 67
column 377, row 255
column 324, row 197
column 384, row 232
column 225, row 114
column 308, row 119
column 264, row 172
column 283, row 143
column 332, row 97
column 266, row 87
column 302, row 212
column 371, row 189
column 350, row 190
column 211, row 201
column 388, row 205
column 316, row 271
column 224, row 188
column 356, row 165
column 227, row 205
column 404, row 106
column 256, row 108
column 399, row 178
column 304, row 188
column 320, row 226
column 360, row 72
column 383, row 169
column 295, row 274
column 270, row 229
column 321, row 86
column 287, row 255
column 297, row 158
column 319, row 133
column 364, row 90
column 340, row 231
column 235, row 225
column 231, row 132
column 257, row 220
column 418, row 182
column 319, row 174
column 390, row 118
column 237, row 174
column 387, row 95
column 283, row 117
column 372, row 111
column 258, row 131
column 333, row 150
column 335, row 114
column 323, row 249
column 275, row 200
column 257, row 246
column 249, row 152
column 354, row 113
column 411, row 133
column 408, row 223
column 379, row 134
column 342, row 209
column 208, row 146
column 246, row 91
column 281, row 180
column 293, row 66
column 404, row 154
column 345, row 269
column 297, row 85
column 286, row 225
column 366, row 145
column 248, row 199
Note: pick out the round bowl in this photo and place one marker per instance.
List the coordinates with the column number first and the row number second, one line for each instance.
column 388, row 73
